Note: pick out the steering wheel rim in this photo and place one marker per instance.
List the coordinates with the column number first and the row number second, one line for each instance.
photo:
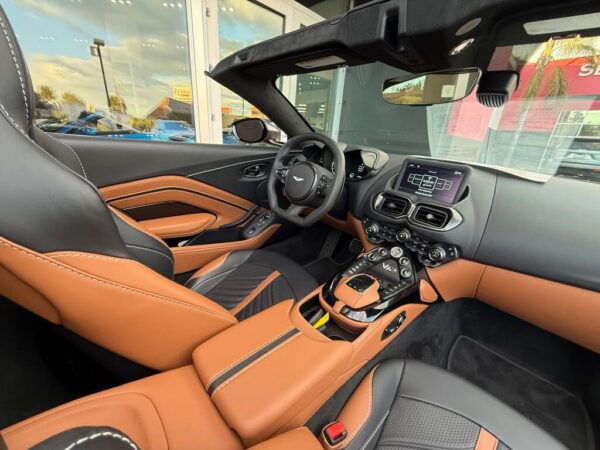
column 304, row 191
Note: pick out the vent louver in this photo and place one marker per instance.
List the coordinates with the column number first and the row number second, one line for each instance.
column 431, row 216
column 391, row 205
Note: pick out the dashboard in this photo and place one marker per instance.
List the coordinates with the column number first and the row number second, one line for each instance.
column 361, row 162
column 474, row 212
column 477, row 213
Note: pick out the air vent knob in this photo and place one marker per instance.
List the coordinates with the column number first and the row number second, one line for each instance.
column 402, row 235
column 437, row 253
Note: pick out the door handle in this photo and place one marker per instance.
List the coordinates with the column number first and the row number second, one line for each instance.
column 255, row 170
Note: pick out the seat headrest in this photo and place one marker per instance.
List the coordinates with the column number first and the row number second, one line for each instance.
column 16, row 91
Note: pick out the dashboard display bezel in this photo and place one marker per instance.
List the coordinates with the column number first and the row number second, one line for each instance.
column 434, row 164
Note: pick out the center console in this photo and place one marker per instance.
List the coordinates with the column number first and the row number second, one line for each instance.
column 270, row 373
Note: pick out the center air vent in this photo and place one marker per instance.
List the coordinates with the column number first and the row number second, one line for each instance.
column 432, row 216
column 391, row 205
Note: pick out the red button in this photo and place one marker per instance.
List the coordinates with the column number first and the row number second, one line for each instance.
column 335, row 432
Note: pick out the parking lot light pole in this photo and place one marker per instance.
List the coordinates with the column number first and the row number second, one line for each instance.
column 95, row 49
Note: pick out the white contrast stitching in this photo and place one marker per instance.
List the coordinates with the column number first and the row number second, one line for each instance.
column 103, row 434
column 254, row 363
column 76, row 255
column 251, row 352
column 14, row 57
column 44, row 152
column 150, row 250
column 119, row 286
column 73, row 150
column 375, row 430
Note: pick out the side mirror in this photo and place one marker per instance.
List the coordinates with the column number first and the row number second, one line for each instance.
column 254, row 130
column 431, row 88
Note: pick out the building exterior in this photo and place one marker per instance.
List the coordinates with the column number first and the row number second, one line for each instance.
column 150, row 54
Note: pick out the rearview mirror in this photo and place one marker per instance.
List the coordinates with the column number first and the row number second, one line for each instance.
column 431, row 88
column 254, row 130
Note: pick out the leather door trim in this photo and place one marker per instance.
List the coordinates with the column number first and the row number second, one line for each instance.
column 226, row 207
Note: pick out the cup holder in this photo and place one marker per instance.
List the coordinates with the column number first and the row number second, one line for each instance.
column 313, row 312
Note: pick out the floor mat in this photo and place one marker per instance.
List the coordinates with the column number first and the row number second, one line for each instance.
column 551, row 407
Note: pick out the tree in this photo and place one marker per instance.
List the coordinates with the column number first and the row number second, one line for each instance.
column 117, row 104
column 557, row 82
column 72, row 98
column 46, row 93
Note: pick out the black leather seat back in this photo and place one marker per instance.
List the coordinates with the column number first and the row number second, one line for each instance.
column 46, row 200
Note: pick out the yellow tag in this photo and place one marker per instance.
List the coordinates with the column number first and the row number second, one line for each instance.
column 322, row 321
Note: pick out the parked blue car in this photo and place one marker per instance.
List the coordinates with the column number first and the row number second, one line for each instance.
column 96, row 124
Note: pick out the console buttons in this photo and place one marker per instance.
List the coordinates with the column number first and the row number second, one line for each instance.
column 404, row 261
column 395, row 289
column 361, row 283
column 358, row 267
column 405, row 272
column 322, row 186
column 393, row 325
column 382, row 251
column 396, row 252
column 402, row 235
column 437, row 253
column 372, row 229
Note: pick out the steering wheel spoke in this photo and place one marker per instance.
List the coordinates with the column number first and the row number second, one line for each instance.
column 281, row 173
column 296, row 210
column 305, row 184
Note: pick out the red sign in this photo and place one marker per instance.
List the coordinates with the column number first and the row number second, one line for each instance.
column 470, row 120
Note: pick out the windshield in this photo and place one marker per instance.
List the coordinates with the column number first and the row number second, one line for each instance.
column 551, row 125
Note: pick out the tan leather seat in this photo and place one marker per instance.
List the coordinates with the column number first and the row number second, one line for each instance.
column 68, row 257
column 400, row 404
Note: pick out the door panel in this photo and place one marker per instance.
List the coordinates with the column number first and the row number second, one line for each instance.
column 112, row 161
column 225, row 207
column 195, row 197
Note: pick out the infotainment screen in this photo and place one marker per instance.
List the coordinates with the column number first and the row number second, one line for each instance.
column 431, row 181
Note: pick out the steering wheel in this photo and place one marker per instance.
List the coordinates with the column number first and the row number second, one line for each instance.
column 306, row 184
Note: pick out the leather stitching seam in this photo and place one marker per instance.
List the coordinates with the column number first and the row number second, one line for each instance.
column 20, row 75
column 150, row 250
column 354, row 432
column 245, row 369
column 117, row 436
column 125, row 288
column 73, row 150
column 250, row 353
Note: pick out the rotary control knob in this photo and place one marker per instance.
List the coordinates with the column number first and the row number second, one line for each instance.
column 405, row 272
column 372, row 229
column 382, row 251
column 396, row 252
column 402, row 235
column 404, row 261
column 437, row 253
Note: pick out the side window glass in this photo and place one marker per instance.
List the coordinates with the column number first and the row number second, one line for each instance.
column 111, row 68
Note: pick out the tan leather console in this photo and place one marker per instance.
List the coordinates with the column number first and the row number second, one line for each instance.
column 354, row 298
column 271, row 372
column 559, row 308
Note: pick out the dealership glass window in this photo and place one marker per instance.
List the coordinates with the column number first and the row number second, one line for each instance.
column 115, row 68
column 242, row 23
column 550, row 126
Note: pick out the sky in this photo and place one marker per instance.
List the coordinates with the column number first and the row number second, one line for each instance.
column 146, row 51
